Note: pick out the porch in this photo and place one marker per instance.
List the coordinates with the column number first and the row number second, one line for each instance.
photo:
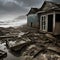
column 49, row 22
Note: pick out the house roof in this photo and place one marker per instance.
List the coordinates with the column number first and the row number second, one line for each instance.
column 33, row 11
column 48, row 5
column 40, row 12
column 51, row 4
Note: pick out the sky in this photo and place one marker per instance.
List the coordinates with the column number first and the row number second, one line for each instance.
column 10, row 9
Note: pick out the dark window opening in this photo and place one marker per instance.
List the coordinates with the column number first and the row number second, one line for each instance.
column 42, row 22
column 50, row 23
column 31, row 24
column 57, row 17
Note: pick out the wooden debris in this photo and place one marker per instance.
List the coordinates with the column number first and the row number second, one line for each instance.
column 17, row 45
column 54, row 49
column 39, row 52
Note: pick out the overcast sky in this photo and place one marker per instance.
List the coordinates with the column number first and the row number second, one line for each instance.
column 9, row 9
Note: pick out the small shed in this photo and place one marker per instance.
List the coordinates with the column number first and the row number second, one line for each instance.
column 32, row 18
column 50, row 17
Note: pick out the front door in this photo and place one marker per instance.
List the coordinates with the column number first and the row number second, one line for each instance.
column 50, row 23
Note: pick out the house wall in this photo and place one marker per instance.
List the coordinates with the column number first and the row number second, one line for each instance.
column 33, row 18
column 57, row 28
column 57, row 25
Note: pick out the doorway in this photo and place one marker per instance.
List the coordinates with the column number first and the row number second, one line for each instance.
column 50, row 23
column 31, row 24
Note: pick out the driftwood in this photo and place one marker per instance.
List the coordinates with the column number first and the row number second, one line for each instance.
column 41, row 50
column 46, row 49
column 54, row 49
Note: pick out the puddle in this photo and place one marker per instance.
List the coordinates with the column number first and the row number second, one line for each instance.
column 10, row 55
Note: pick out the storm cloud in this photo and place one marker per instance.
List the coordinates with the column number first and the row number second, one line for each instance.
column 10, row 9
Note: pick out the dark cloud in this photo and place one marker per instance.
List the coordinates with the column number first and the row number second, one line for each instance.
column 11, row 8
column 18, row 7
column 58, row 1
column 30, row 3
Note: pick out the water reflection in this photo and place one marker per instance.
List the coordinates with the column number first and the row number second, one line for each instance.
column 10, row 54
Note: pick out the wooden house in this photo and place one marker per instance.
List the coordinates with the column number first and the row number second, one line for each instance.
column 47, row 18
column 50, row 17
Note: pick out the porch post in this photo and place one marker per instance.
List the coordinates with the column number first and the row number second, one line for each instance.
column 40, row 23
column 54, row 15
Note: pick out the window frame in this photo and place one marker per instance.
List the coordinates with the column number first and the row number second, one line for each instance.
column 43, row 23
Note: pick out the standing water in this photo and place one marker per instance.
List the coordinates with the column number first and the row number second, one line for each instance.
column 10, row 55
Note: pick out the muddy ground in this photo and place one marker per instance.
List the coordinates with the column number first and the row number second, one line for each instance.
column 44, row 47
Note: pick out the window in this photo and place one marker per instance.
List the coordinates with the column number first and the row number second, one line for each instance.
column 43, row 22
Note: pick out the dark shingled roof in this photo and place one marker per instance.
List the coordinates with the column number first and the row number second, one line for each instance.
column 33, row 11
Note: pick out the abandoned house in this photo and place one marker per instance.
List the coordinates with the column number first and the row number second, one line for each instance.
column 32, row 18
column 47, row 18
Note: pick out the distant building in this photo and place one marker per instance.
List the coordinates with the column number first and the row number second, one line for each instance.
column 48, row 18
